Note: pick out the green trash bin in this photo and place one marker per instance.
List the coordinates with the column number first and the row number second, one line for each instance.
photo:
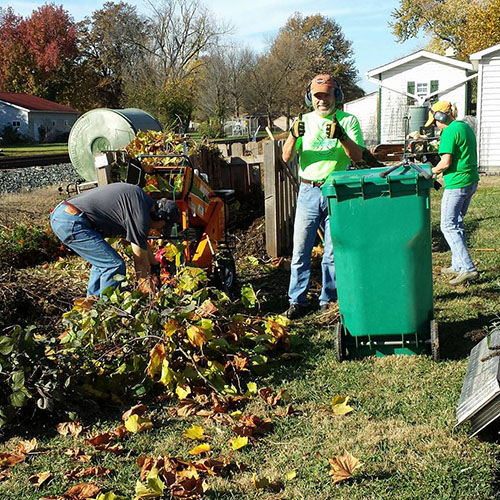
column 381, row 235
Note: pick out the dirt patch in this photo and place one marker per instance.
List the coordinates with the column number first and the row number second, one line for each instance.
column 32, row 207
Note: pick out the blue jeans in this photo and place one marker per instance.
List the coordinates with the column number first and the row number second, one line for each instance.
column 311, row 209
column 454, row 206
column 76, row 232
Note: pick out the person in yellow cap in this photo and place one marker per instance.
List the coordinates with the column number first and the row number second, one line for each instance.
column 326, row 139
column 458, row 164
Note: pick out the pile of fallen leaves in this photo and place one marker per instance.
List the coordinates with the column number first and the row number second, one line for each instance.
column 178, row 477
column 129, row 345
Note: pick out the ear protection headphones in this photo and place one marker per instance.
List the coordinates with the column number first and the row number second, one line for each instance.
column 441, row 117
column 337, row 94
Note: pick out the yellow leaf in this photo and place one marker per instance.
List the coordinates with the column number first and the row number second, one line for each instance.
column 135, row 410
column 156, row 357
column 196, row 433
column 251, row 389
column 343, row 467
column 152, row 489
column 183, row 391
column 167, row 374
column 201, row 448
column 340, row 406
column 291, row 474
column 136, row 423
column 238, row 442
column 196, row 335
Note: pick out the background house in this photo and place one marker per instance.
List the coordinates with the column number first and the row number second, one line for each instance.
column 407, row 83
column 487, row 63
column 34, row 117
column 366, row 110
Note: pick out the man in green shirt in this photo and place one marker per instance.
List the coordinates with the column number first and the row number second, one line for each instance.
column 458, row 164
column 326, row 140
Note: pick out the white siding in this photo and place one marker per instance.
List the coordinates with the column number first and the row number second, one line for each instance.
column 365, row 110
column 421, row 70
column 489, row 113
column 10, row 114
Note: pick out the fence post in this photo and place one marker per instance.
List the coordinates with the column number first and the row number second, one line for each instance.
column 271, row 201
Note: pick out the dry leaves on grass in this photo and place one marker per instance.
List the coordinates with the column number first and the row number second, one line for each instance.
column 267, row 395
column 82, row 491
column 91, row 471
column 78, row 454
column 343, row 467
column 73, row 428
column 39, row 479
column 251, row 425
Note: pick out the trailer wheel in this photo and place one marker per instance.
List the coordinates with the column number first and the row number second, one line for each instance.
column 434, row 340
column 339, row 342
column 225, row 273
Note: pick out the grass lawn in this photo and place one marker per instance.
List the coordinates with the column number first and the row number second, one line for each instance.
column 35, row 149
column 401, row 429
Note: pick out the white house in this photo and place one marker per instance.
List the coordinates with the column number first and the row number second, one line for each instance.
column 487, row 62
column 411, row 83
column 366, row 110
column 35, row 117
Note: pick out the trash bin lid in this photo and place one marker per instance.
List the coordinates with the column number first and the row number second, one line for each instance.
column 104, row 129
column 359, row 183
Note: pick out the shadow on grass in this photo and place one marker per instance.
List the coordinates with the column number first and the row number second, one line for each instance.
column 456, row 339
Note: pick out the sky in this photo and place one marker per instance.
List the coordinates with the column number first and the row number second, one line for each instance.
column 255, row 22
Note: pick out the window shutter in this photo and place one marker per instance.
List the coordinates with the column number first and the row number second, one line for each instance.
column 434, row 87
column 410, row 87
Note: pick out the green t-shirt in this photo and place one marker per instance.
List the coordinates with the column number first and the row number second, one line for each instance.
column 320, row 156
column 459, row 140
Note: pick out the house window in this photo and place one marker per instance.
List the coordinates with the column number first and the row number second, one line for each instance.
column 53, row 123
column 16, row 123
column 422, row 89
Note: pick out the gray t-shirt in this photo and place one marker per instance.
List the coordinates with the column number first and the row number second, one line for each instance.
column 118, row 209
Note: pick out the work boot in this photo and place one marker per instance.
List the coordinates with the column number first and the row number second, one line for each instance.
column 464, row 276
column 295, row 311
column 449, row 271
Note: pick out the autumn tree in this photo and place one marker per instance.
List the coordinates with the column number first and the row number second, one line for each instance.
column 39, row 53
column 327, row 50
column 110, row 45
column 466, row 26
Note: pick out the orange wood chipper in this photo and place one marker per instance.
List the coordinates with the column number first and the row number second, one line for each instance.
column 205, row 212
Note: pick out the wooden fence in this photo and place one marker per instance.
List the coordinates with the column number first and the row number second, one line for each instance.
column 280, row 191
column 239, row 168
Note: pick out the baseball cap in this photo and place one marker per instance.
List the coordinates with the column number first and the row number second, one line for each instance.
column 165, row 209
column 443, row 106
column 321, row 83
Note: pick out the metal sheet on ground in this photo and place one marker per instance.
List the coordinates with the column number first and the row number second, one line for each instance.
column 480, row 397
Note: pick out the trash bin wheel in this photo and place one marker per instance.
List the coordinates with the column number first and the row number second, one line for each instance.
column 339, row 342
column 434, row 340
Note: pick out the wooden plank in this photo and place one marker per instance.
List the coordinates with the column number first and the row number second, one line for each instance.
column 270, row 196
column 237, row 149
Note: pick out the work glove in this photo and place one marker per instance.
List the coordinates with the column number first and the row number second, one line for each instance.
column 335, row 131
column 298, row 127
